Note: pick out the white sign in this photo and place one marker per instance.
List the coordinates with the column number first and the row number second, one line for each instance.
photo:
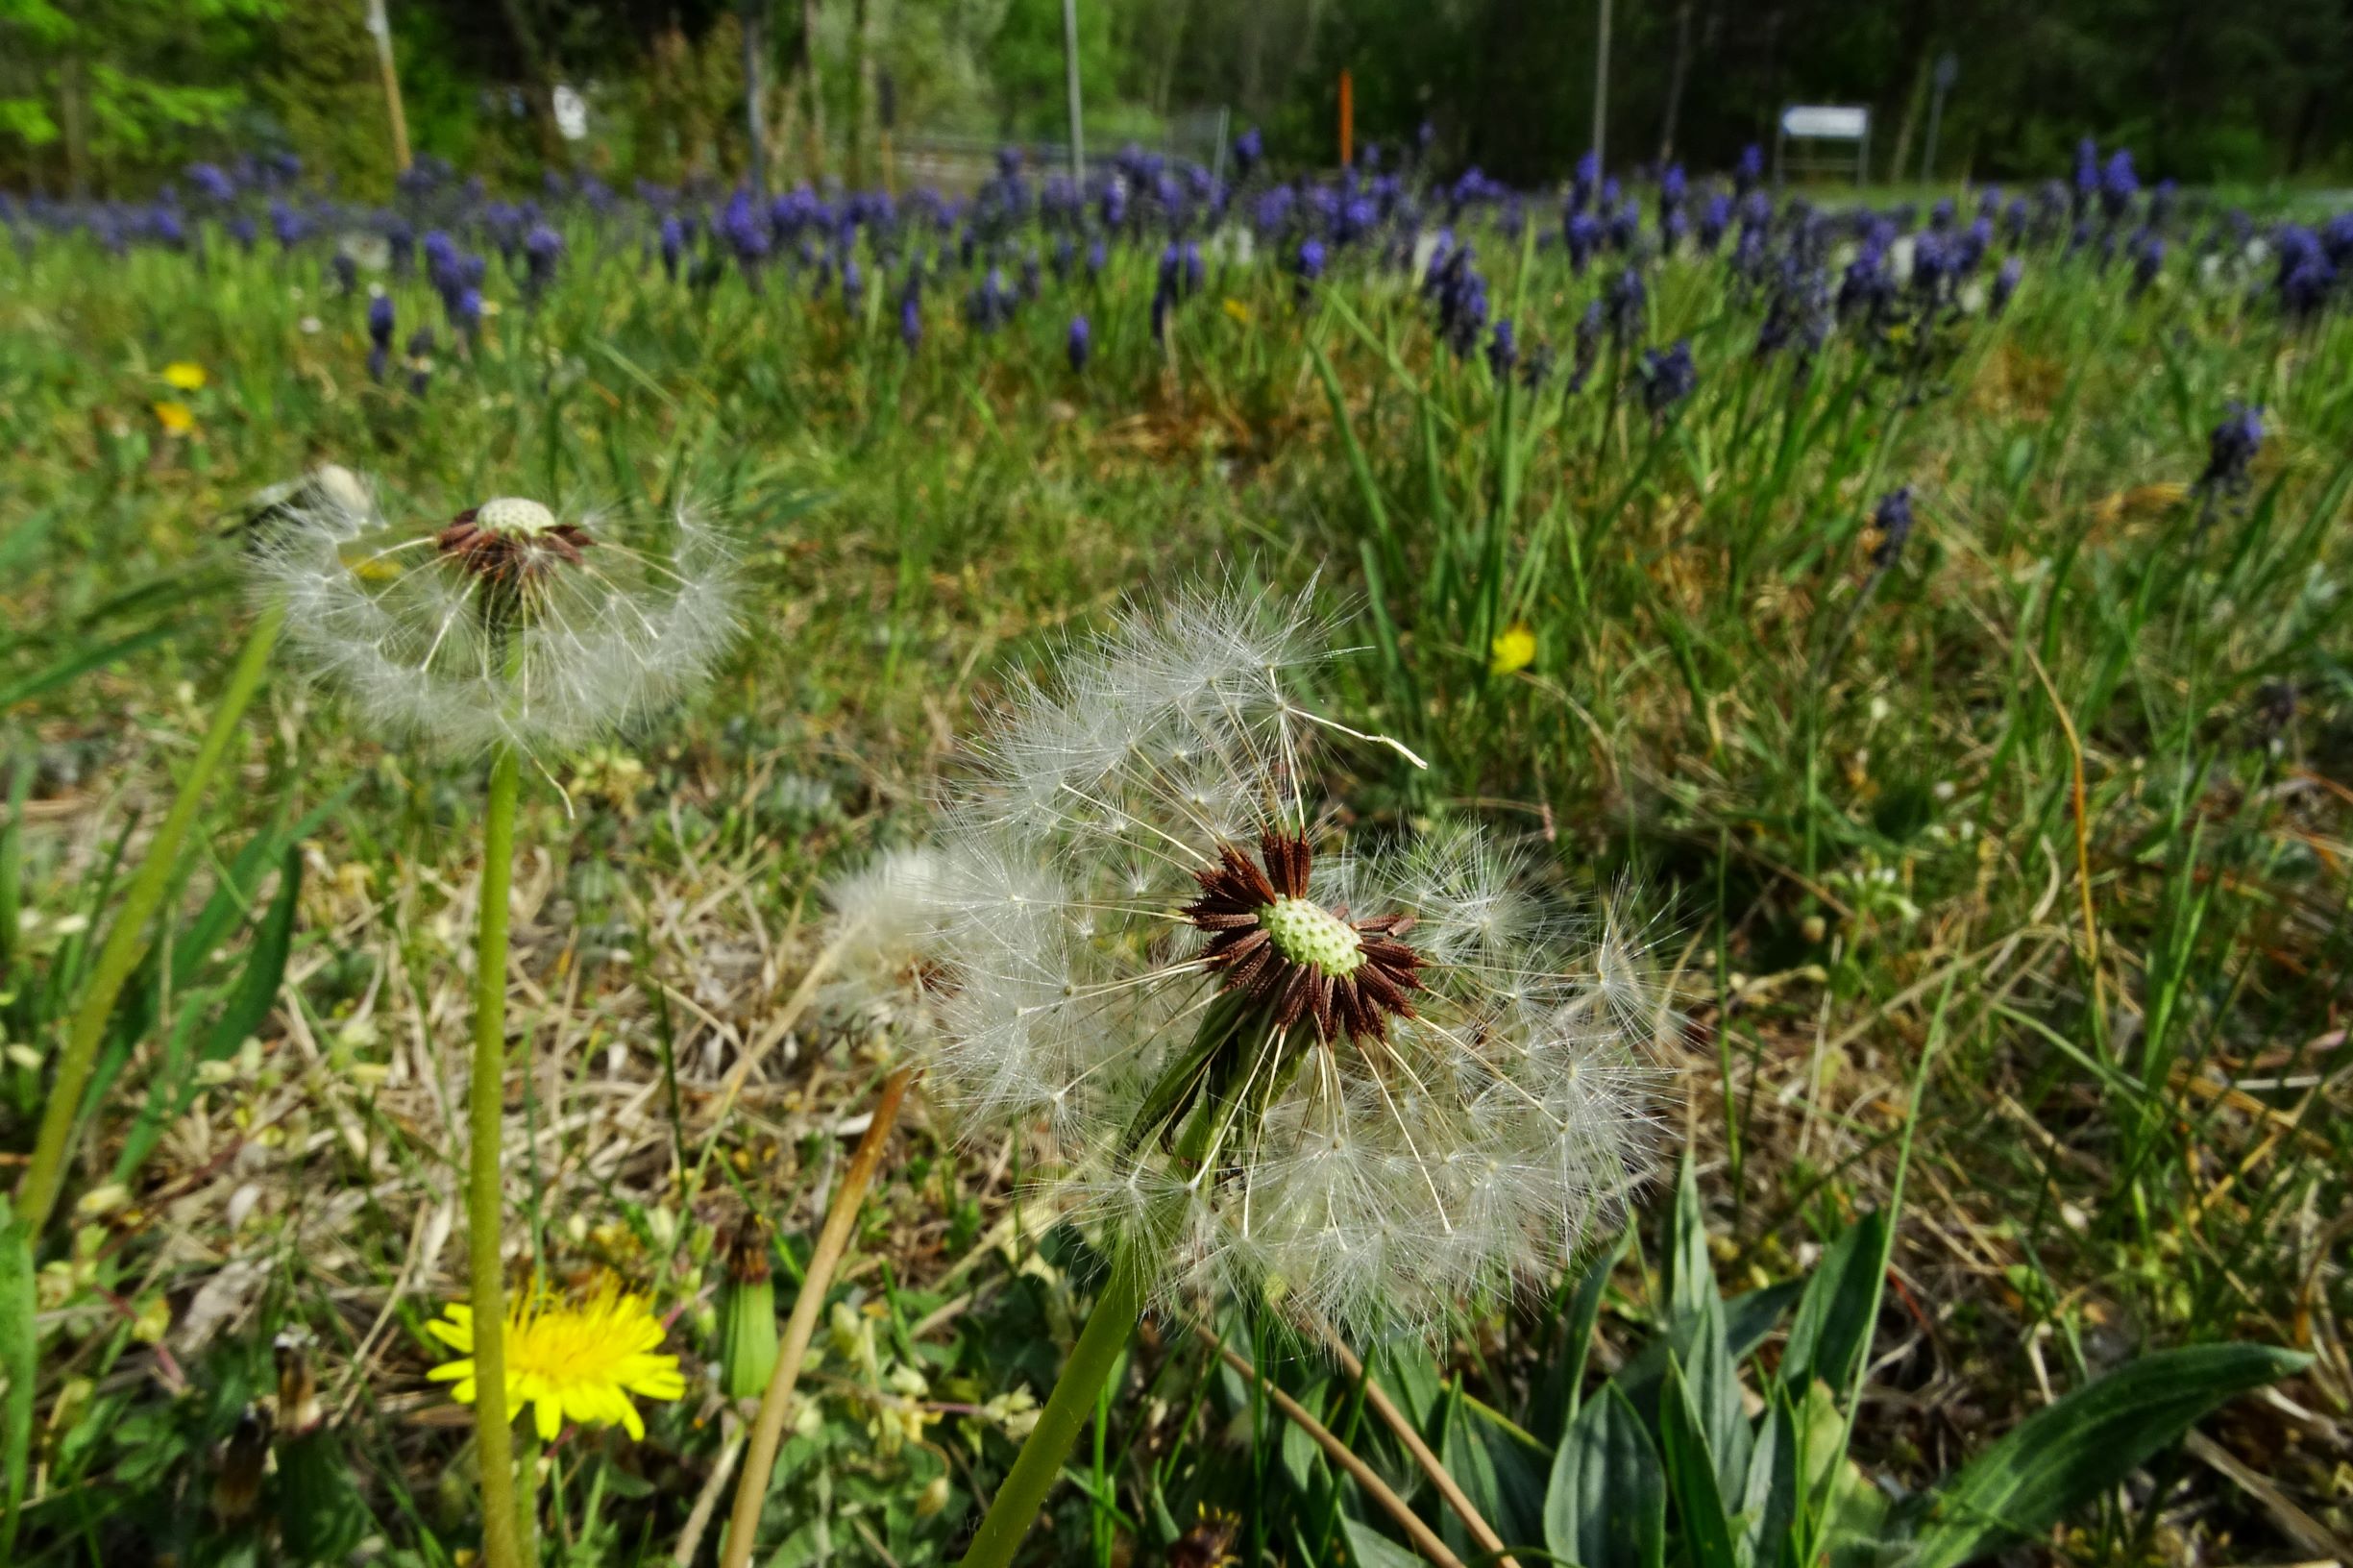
column 571, row 112
column 1827, row 122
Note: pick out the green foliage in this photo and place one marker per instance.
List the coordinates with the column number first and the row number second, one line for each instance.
column 2079, row 1446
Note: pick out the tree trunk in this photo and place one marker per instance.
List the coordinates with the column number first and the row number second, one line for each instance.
column 1911, row 118
column 538, row 81
column 1674, row 81
column 801, row 114
column 1177, row 14
column 73, row 129
column 862, row 88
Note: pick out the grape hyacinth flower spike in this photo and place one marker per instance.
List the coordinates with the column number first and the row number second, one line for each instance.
column 2230, row 452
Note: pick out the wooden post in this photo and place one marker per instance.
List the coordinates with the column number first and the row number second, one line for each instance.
column 1070, row 80
column 1601, row 90
column 380, row 28
column 1348, row 119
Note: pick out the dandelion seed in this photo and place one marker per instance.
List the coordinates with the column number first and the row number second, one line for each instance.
column 585, row 1361
column 507, row 623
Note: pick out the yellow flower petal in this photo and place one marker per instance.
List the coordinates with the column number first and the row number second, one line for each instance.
column 175, row 418
column 187, row 377
column 577, row 1361
column 1514, row 651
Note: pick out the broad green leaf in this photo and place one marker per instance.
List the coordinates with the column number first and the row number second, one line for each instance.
column 1368, row 1548
column 1691, row 1475
column 1607, row 1504
column 1691, row 1279
column 1769, row 1504
column 1466, row 1456
column 1565, row 1380
column 2067, row 1453
column 1833, row 1329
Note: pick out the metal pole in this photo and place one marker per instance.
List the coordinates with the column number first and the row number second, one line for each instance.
column 755, row 46
column 1601, row 87
column 1070, row 72
column 380, row 28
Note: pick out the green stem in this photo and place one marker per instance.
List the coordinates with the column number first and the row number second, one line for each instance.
column 125, row 941
column 1015, row 1508
column 502, row 1545
column 1230, row 1040
column 526, row 1492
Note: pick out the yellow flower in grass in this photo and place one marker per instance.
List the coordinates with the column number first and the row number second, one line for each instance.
column 187, row 377
column 175, row 418
column 569, row 1361
column 1514, row 651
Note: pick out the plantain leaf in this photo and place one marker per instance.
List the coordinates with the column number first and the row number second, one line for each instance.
column 1607, row 1504
column 1691, row 1475
column 2067, row 1453
column 1368, row 1548
column 1832, row 1328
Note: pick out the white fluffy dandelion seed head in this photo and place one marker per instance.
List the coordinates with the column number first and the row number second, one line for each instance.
column 1375, row 1180
column 885, row 920
column 512, row 624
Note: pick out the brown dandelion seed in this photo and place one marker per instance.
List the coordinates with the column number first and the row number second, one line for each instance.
column 1269, row 940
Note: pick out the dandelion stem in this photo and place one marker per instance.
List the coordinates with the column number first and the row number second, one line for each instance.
column 768, row 1427
column 502, row 1545
column 1015, row 1508
column 125, row 941
column 1113, row 1321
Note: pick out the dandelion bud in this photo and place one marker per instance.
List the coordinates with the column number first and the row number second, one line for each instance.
column 747, row 1313
column 321, row 1516
column 236, row 1487
column 298, row 1386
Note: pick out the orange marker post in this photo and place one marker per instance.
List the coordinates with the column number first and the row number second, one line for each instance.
column 1348, row 119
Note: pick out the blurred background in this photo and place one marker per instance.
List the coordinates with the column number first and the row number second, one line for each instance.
column 101, row 97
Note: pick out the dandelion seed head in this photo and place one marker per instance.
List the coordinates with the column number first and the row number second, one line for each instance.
column 511, row 624
column 1360, row 1087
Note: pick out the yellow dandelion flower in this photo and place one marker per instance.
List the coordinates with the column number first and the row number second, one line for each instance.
column 187, row 377
column 1238, row 310
column 1514, row 651
column 175, row 418
column 569, row 1361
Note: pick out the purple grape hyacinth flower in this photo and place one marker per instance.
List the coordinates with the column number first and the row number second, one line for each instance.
column 1893, row 519
column 2230, row 450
